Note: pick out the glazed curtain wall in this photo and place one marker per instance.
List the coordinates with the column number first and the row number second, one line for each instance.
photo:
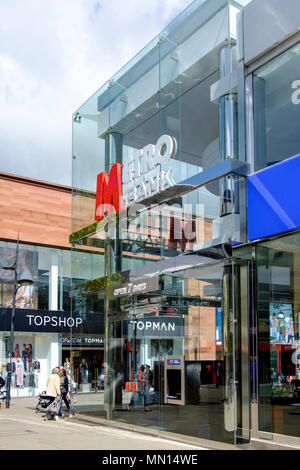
column 183, row 327
column 277, row 109
column 165, row 89
column 278, row 313
column 50, row 270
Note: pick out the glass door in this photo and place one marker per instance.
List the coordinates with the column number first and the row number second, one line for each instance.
column 278, row 316
column 200, row 384
column 183, row 337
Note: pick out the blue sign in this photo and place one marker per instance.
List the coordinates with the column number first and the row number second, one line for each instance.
column 273, row 199
column 174, row 362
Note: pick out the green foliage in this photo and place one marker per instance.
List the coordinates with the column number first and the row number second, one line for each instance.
column 98, row 284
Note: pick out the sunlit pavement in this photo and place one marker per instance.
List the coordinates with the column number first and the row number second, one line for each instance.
column 24, row 429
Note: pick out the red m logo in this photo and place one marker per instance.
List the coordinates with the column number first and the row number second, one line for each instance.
column 109, row 194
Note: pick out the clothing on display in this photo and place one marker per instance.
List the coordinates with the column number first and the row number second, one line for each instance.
column 25, row 357
column 20, row 373
column 17, row 351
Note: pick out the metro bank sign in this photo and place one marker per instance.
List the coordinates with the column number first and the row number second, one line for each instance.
column 143, row 177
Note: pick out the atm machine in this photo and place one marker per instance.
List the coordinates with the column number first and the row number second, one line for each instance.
column 182, row 380
column 174, row 380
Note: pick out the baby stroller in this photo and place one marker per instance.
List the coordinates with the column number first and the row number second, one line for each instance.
column 2, row 392
column 43, row 403
column 52, row 410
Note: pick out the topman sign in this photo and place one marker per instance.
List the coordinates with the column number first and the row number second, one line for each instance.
column 142, row 176
column 171, row 326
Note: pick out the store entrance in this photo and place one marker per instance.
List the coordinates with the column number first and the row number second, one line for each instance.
column 87, row 364
column 185, row 333
column 278, row 319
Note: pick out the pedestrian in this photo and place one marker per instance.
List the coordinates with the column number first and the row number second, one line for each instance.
column 64, row 388
column 219, row 375
column 53, row 385
column 71, row 397
column 61, row 371
column 142, row 380
column 149, row 377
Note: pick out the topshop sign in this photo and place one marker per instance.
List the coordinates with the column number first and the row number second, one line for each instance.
column 50, row 321
column 53, row 321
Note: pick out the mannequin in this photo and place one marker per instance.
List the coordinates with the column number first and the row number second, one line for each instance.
column 20, row 373
column 36, row 368
column 16, row 351
column 84, row 371
column 67, row 365
column 24, row 357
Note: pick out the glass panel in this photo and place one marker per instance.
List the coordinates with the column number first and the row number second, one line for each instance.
column 27, row 296
column 278, row 308
column 64, row 280
column 204, row 406
column 174, row 71
column 84, row 348
column 277, row 109
column 88, row 160
column 183, row 329
column 134, row 342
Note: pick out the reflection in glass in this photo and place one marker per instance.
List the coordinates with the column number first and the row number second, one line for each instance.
column 277, row 109
column 278, row 330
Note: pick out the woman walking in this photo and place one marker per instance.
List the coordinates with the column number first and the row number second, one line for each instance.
column 142, row 381
column 64, row 387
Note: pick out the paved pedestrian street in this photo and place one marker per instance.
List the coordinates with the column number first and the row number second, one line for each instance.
column 23, row 429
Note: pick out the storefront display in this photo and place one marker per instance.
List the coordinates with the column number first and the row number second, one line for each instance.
column 281, row 323
column 278, row 333
column 34, row 357
column 42, row 341
column 85, row 355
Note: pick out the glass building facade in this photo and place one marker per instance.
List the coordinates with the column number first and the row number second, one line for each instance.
column 184, row 286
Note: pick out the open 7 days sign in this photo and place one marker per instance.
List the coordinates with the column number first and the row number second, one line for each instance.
column 134, row 288
column 142, row 177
